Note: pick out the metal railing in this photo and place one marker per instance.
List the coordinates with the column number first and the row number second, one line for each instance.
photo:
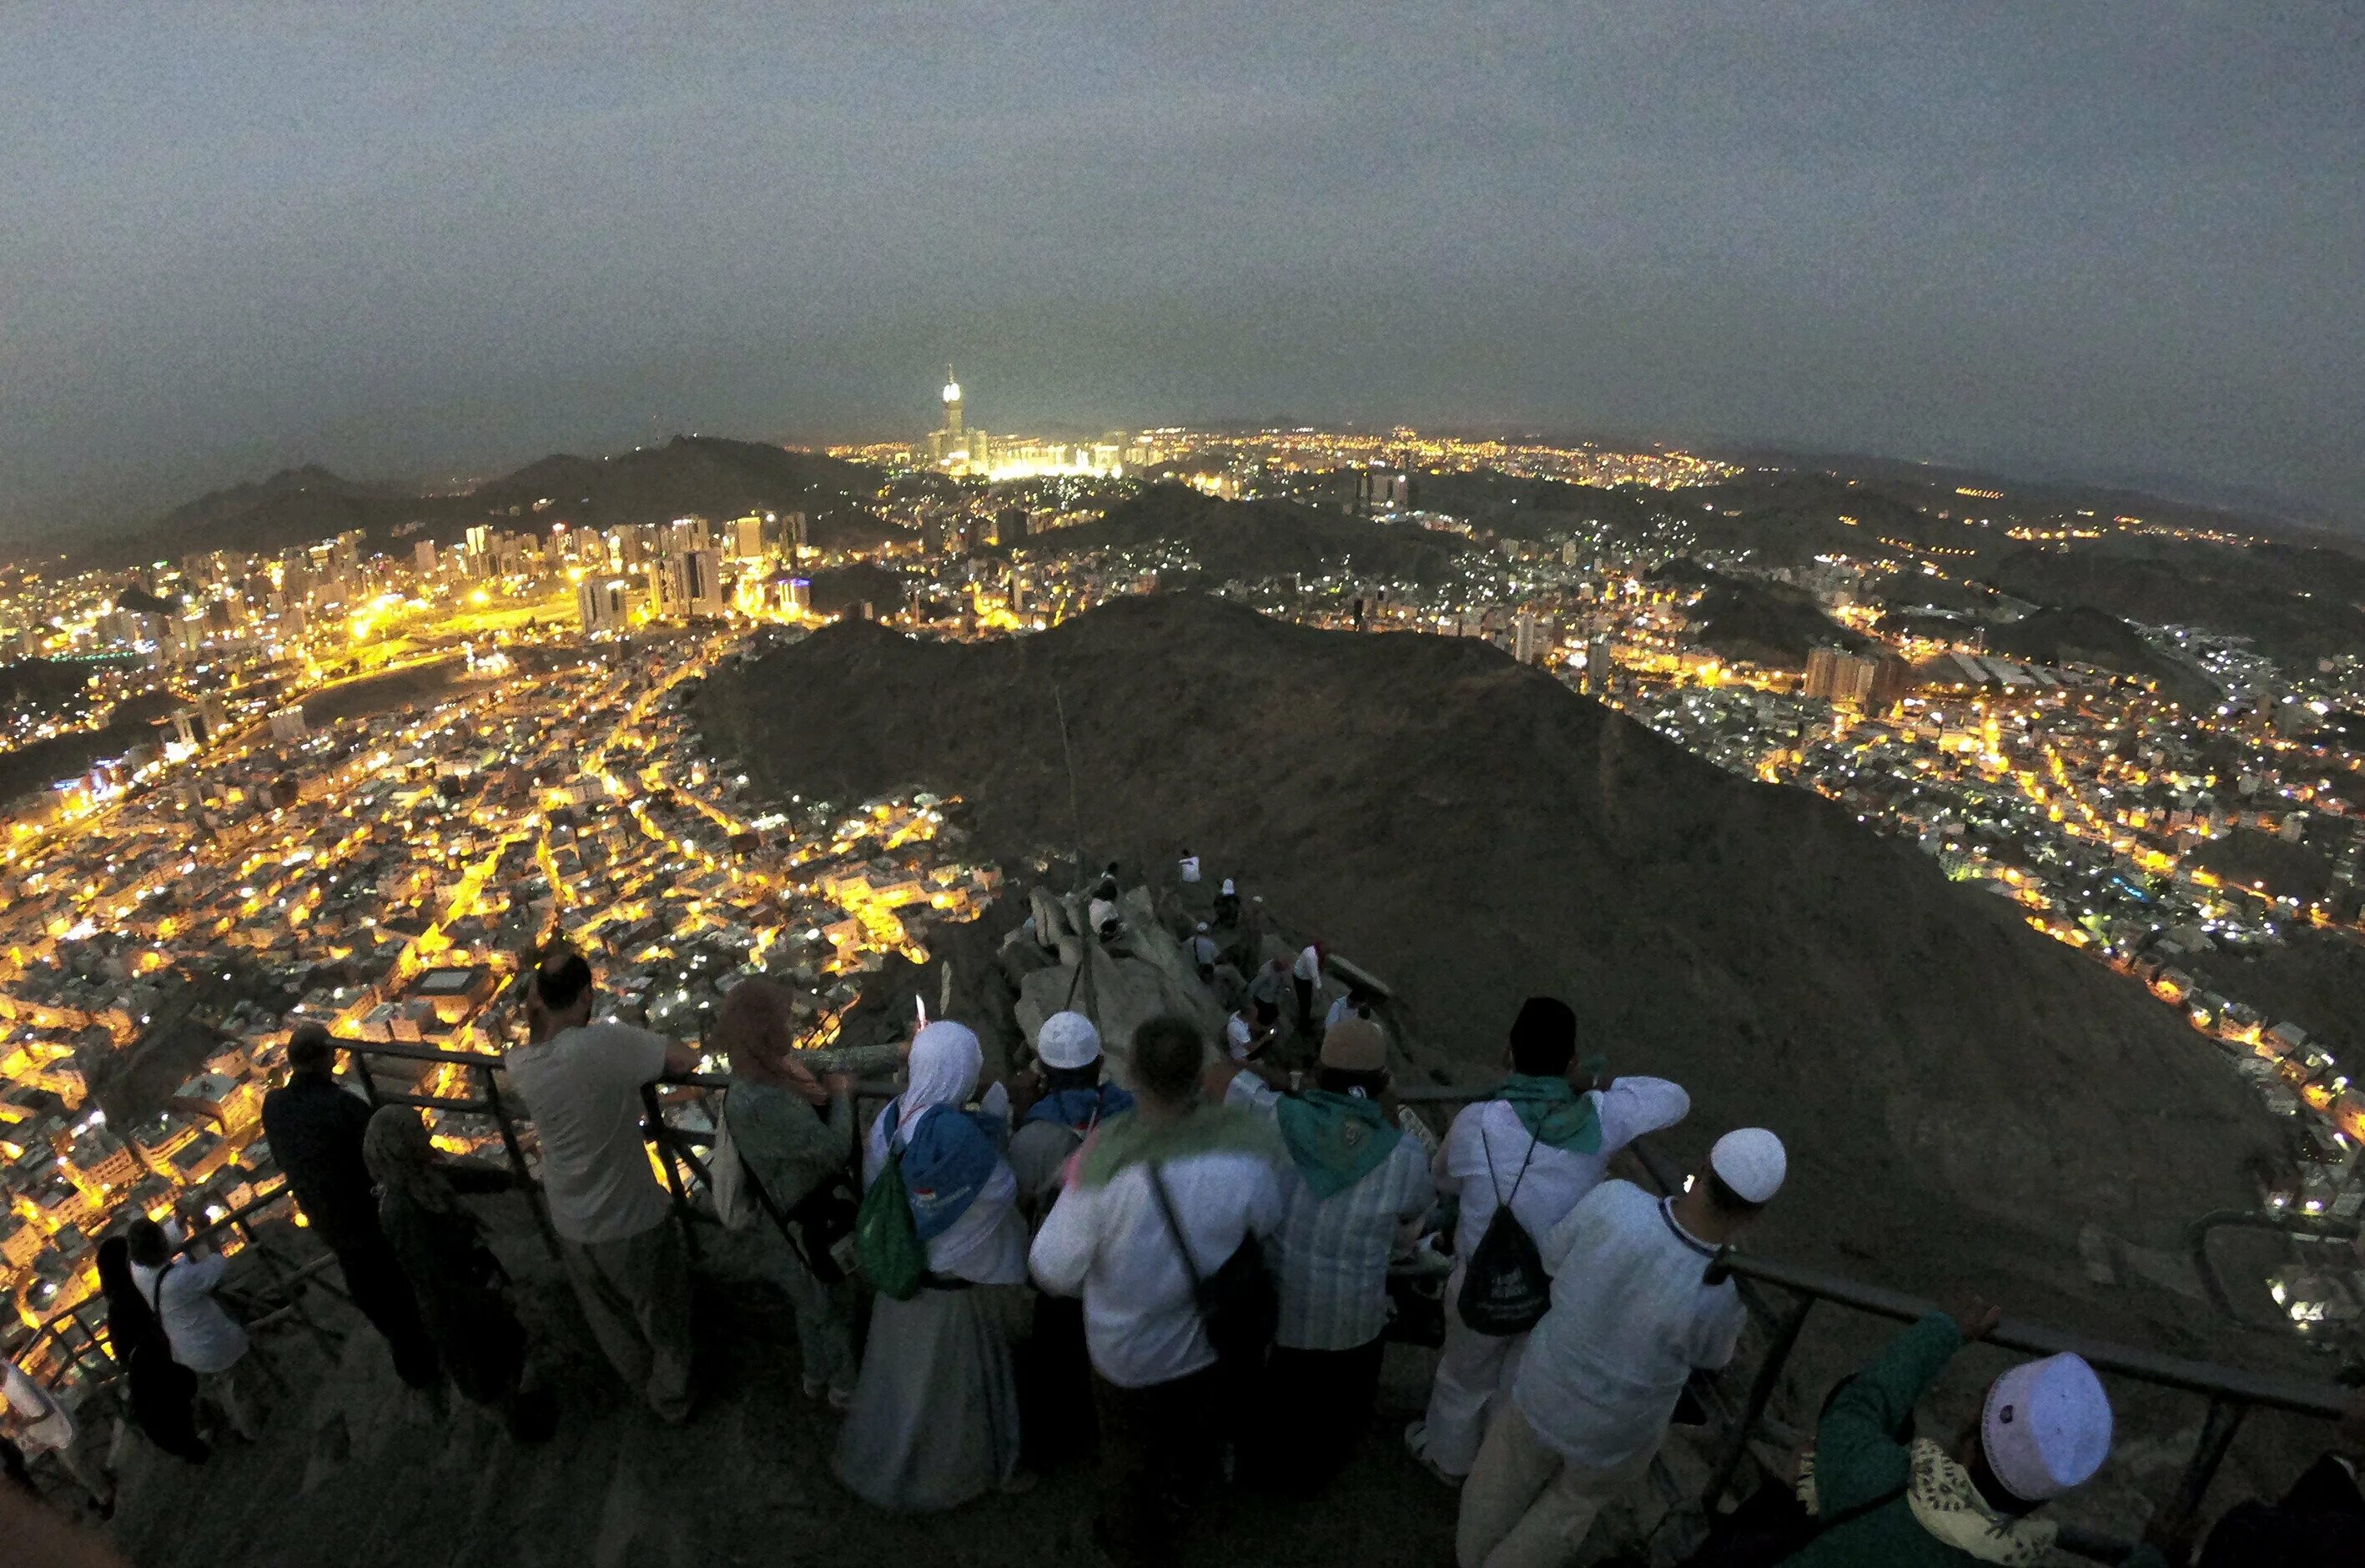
column 2297, row 1226
column 489, row 1100
column 1781, row 1296
column 73, row 1339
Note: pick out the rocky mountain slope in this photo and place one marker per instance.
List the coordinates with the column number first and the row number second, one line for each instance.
column 1963, row 1097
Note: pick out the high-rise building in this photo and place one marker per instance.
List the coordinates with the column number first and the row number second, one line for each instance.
column 1525, row 644
column 1823, row 672
column 956, row 441
column 1875, row 683
column 423, row 553
column 796, row 596
column 747, row 538
column 701, row 584
column 604, row 604
column 287, row 723
column 668, row 594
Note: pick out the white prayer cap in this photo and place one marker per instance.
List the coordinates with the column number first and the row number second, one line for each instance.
column 1751, row 1161
column 1228, row 884
column 1203, row 925
column 1067, row 1040
column 2047, row 1427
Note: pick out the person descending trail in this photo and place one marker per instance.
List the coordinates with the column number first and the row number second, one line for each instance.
column 1060, row 1107
column 1632, row 1318
column 1173, row 1173
column 1536, row 1149
column 935, row 1419
column 1354, row 1184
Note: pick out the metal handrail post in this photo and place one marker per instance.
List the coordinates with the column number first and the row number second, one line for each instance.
column 662, row 1135
column 2218, row 1428
column 534, row 1200
column 1761, row 1394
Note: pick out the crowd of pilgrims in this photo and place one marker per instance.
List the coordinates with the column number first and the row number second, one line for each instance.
column 1186, row 1284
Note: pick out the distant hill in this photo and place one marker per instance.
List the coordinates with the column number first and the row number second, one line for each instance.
column 1475, row 832
column 704, row 475
column 2087, row 636
column 1249, row 540
column 1769, row 624
column 2298, row 603
column 843, row 588
column 295, row 506
column 2265, row 862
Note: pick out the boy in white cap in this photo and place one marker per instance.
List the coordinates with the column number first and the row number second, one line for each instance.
column 2043, row 1428
column 1631, row 1316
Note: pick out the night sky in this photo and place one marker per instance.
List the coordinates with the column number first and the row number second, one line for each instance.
column 2107, row 241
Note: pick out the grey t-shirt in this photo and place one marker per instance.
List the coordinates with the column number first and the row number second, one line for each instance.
column 582, row 1087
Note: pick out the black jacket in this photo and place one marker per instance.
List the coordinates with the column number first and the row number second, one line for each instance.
column 315, row 1130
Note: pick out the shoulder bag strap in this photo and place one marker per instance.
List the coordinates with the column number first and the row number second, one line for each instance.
column 156, row 1293
column 772, row 1210
column 1174, row 1230
column 1495, row 1180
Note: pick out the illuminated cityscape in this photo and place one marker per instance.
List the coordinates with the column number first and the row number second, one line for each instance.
column 351, row 802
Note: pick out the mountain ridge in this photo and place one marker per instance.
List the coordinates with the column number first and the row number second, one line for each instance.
column 1475, row 832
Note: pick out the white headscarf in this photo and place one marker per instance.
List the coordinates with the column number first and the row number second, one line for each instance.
column 945, row 1062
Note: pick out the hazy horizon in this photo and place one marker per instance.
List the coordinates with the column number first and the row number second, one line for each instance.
column 2121, row 245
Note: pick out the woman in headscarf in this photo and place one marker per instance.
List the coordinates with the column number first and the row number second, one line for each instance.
column 794, row 1133
column 935, row 1421
column 462, row 1288
column 163, row 1393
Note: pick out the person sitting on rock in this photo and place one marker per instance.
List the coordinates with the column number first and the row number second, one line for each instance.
column 1247, row 1077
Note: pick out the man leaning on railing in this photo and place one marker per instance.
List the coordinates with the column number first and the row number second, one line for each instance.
column 581, row 1083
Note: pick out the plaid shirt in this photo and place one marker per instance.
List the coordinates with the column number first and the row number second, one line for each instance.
column 1334, row 1251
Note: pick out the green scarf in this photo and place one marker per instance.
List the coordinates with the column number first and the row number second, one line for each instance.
column 1124, row 1139
column 1335, row 1139
column 1552, row 1110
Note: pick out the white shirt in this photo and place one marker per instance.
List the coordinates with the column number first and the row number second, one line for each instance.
column 1237, row 1033
column 1202, row 948
column 1190, row 865
column 203, row 1336
column 1248, row 1091
column 1308, row 966
column 582, row 1087
column 47, row 1424
column 1111, row 1245
column 1630, row 1319
column 1556, row 1178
